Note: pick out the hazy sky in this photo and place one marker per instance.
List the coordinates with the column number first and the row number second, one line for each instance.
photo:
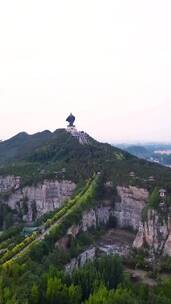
column 107, row 61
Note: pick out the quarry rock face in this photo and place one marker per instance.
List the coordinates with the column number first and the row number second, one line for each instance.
column 95, row 217
column 87, row 256
column 115, row 249
column 9, row 182
column 128, row 210
column 90, row 219
column 34, row 201
column 91, row 253
column 167, row 247
column 155, row 232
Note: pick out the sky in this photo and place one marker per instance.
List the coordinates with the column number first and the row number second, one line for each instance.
column 106, row 61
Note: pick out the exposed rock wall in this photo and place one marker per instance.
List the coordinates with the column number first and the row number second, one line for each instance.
column 91, row 253
column 9, row 182
column 90, row 219
column 87, row 256
column 94, row 217
column 50, row 195
column 128, row 210
column 34, row 201
column 155, row 233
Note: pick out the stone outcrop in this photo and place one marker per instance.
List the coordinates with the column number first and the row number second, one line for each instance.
column 94, row 217
column 128, row 210
column 9, row 183
column 34, row 201
column 91, row 253
column 90, row 219
column 155, row 233
column 87, row 256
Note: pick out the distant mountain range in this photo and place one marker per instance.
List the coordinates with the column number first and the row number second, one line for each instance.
column 158, row 153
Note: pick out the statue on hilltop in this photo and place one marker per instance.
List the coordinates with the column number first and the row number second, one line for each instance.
column 71, row 119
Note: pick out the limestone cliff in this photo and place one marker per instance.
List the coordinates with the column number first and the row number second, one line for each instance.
column 128, row 210
column 87, row 256
column 31, row 202
column 91, row 218
column 91, row 253
column 8, row 183
column 155, row 233
column 125, row 213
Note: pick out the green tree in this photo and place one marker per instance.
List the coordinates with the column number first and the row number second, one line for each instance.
column 74, row 294
column 122, row 296
column 35, row 294
column 99, row 297
column 154, row 199
column 57, row 293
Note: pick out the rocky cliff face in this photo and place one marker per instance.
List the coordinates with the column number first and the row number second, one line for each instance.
column 90, row 219
column 155, row 232
column 128, row 210
column 126, row 213
column 87, row 256
column 34, row 201
column 96, row 217
column 117, row 244
column 8, row 183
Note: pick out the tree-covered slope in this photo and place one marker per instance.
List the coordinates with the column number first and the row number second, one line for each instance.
column 21, row 145
column 48, row 153
column 60, row 155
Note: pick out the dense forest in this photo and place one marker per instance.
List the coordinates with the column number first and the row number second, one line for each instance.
column 100, row 282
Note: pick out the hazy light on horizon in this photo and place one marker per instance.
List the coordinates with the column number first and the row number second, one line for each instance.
column 107, row 61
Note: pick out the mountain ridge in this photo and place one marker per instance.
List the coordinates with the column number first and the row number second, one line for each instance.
column 60, row 155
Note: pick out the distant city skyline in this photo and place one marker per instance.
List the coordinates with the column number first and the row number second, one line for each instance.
column 108, row 62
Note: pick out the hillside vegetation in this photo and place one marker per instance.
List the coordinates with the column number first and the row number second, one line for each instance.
column 59, row 155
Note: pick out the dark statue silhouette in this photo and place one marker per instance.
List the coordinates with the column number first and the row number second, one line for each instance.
column 71, row 119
